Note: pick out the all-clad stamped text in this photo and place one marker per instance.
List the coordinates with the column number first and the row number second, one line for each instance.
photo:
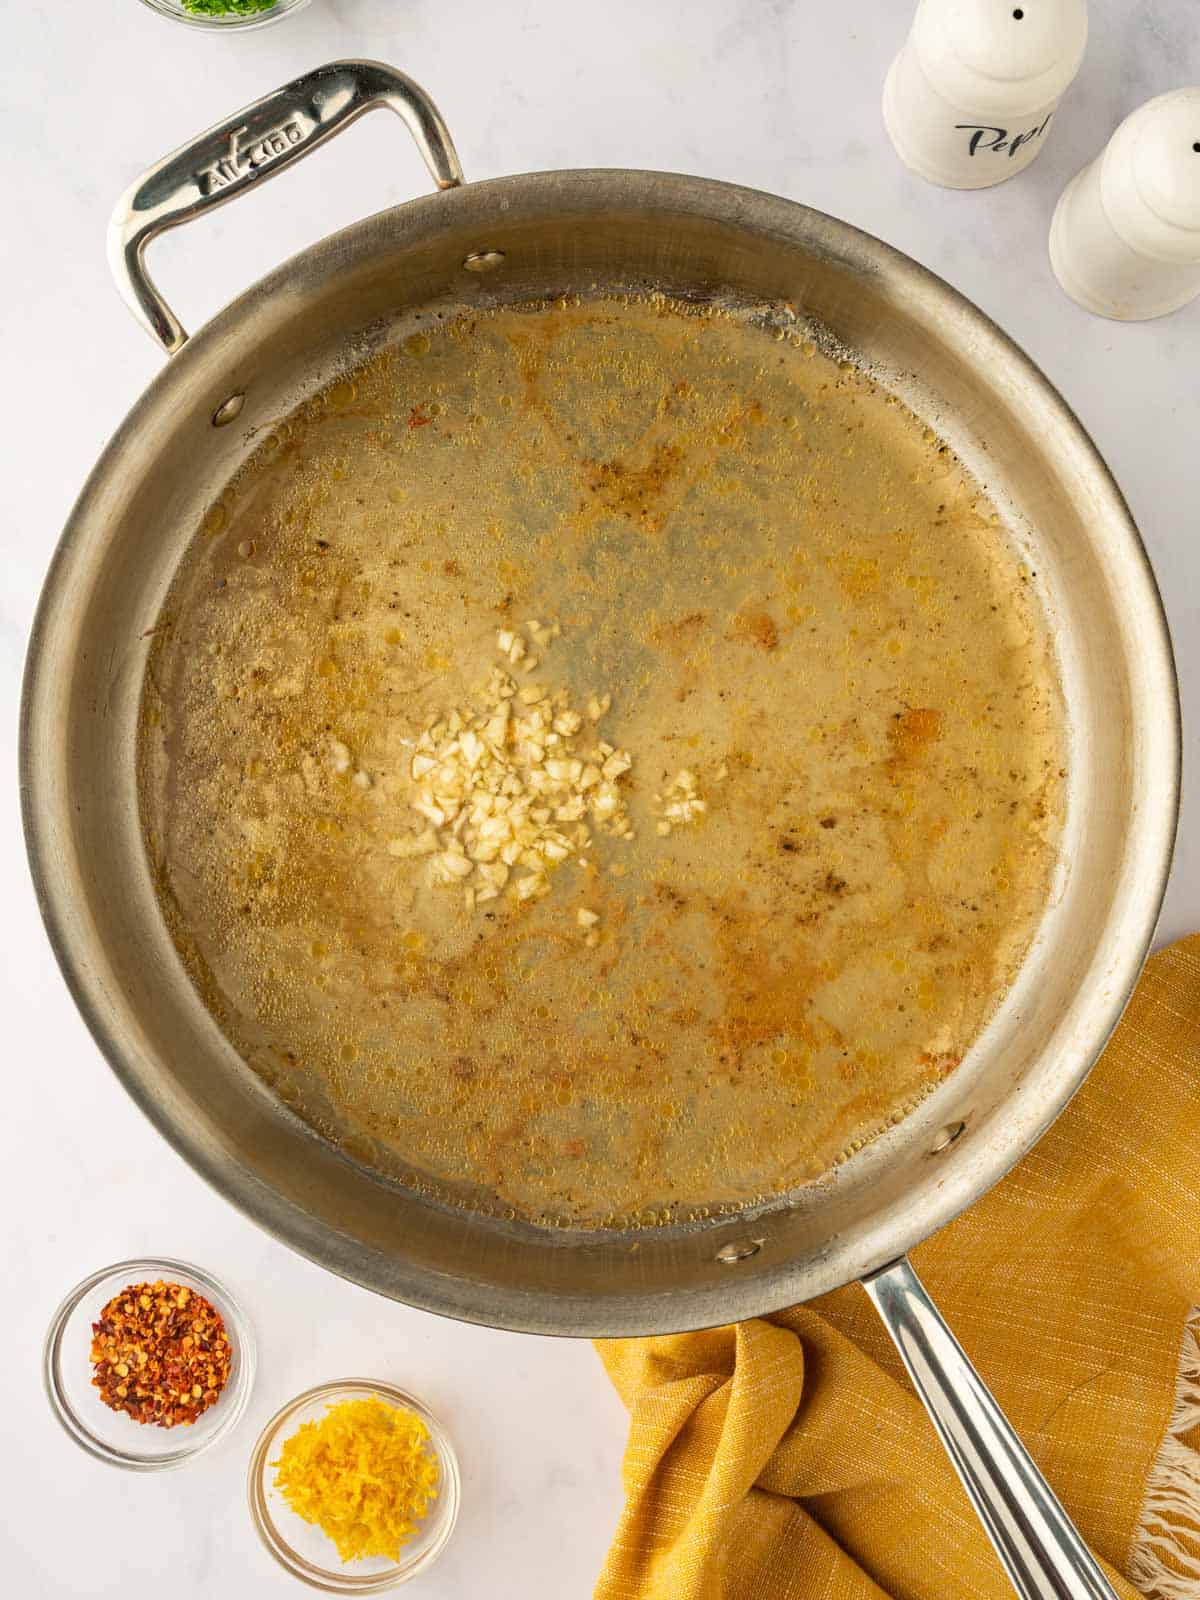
column 240, row 160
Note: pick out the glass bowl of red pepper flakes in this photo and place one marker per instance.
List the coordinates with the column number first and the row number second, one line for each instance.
column 148, row 1363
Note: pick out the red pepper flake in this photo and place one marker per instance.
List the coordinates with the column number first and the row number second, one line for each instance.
column 161, row 1353
column 418, row 419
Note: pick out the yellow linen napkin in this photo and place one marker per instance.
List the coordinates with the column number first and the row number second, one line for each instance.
column 788, row 1458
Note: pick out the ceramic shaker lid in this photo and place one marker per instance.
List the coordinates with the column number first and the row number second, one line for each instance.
column 1158, row 177
column 1007, row 57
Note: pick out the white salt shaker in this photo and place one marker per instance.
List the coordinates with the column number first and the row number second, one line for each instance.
column 1125, row 240
column 969, row 99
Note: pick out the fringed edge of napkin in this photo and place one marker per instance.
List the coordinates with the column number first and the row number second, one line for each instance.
column 1161, row 1563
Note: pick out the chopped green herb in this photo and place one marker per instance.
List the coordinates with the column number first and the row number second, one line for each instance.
column 227, row 8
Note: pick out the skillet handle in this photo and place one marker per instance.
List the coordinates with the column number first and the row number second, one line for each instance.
column 1040, row 1548
column 256, row 143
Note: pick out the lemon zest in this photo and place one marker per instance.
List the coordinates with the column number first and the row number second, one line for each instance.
column 366, row 1474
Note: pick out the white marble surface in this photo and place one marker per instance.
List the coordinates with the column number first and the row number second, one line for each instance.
column 780, row 94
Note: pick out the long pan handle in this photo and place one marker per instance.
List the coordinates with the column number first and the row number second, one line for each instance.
column 254, row 144
column 1035, row 1539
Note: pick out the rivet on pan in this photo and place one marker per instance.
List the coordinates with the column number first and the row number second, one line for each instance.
column 227, row 410
column 946, row 1138
column 738, row 1250
column 483, row 260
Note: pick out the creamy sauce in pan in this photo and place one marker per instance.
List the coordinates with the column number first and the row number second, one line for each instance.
column 788, row 587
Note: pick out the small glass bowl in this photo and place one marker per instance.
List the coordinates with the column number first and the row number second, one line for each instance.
column 300, row 1547
column 111, row 1435
column 255, row 19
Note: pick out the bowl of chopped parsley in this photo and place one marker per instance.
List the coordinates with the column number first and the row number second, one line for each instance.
column 225, row 13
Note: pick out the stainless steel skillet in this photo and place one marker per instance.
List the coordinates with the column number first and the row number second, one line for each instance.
column 569, row 232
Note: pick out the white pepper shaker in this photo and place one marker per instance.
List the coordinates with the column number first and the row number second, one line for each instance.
column 1125, row 240
column 969, row 99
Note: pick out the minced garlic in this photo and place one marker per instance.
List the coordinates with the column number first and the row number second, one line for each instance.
column 506, row 785
column 502, row 789
column 682, row 802
column 365, row 1474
